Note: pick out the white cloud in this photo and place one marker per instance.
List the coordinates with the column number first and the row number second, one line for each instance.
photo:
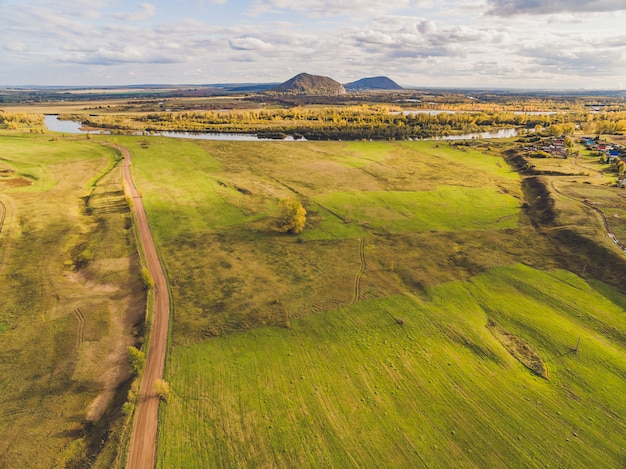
column 442, row 43
column 318, row 8
column 415, row 37
column 121, row 55
column 145, row 11
column 513, row 7
column 248, row 43
column 15, row 47
column 581, row 62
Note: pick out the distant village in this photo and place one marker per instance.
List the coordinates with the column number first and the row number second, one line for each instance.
column 562, row 147
column 614, row 152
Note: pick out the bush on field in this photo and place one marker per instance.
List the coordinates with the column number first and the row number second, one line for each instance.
column 291, row 216
column 137, row 359
column 163, row 389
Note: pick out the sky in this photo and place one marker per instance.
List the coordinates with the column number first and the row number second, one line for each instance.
column 547, row 44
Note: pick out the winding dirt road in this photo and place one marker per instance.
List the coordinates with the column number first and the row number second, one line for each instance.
column 142, row 454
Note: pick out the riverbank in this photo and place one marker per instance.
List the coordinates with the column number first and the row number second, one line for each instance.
column 53, row 123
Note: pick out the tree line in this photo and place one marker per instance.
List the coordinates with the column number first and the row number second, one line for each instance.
column 376, row 122
column 15, row 120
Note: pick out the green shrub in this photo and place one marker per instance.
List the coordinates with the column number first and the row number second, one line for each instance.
column 137, row 359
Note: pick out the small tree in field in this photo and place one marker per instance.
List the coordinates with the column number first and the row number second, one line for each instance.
column 291, row 216
column 163, row 389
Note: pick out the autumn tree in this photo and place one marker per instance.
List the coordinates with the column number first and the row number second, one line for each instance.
column 291, row 216
column 137, row 359
column 163, row 389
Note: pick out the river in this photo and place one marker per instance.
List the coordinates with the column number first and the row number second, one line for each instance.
column 70, row 127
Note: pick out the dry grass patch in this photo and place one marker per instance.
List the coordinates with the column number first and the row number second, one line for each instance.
column 63, row 349
column 519, row 349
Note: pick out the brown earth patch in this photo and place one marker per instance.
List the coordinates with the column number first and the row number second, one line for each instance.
column 15, row 182
column 519, row 349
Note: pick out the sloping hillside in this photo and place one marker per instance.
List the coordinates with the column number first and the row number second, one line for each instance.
column 374, row 83
column 311, row 85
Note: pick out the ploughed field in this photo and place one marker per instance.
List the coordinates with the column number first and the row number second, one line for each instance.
column 421, row 319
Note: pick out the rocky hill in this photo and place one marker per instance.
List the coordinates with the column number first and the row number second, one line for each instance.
column 306, row 84
column 374, row 83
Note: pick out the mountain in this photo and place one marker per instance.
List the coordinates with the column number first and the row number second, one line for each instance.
column 375, row 83
column 311, row 85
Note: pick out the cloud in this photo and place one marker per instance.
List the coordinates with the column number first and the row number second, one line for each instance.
column 583, row 63
column 16, row 47
column 325, row 8
column 419, row 38
column 540, row 7
column 117, row 54
column 276, row 43
column 146, row 10
column 248, row 43
column 443, row 42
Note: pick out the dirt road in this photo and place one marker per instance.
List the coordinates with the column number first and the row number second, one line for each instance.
column 144, row 437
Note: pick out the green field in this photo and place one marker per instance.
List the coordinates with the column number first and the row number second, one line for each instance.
column 353, row 388
column 448, row 208
column 71, row 298
column 364, row 342
column 212, row 206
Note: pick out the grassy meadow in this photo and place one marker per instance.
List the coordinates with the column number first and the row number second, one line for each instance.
column 212, row 205
column 363, row 342
column 353, row 388
column 71, row 297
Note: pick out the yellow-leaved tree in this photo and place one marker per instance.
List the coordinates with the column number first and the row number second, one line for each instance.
column 291, row 216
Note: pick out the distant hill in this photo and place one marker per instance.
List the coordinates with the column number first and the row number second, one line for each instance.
column 316, row 85
column 374, row 83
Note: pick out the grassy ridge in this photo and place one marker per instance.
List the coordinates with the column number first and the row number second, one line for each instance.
column 36, row 157
column 64, row 327
column 352, row 388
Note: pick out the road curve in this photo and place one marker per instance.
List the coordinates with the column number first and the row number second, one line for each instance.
column 142, row 454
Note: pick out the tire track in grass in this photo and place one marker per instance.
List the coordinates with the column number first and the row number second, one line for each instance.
column 9, row 414
column 80, row 330
column 359, row 275
column 3, row 214
column 5, row 244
